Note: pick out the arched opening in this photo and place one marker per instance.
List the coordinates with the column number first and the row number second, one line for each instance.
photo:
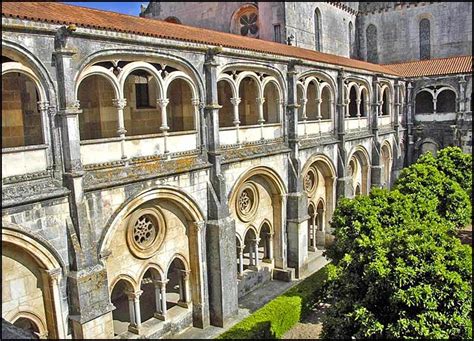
column 99, row 118
column 357, row 189
column 446, row 101
column 173, row 20
column 177, row 288
column 326, row 99
column 21, row 119
column 371, row 39
column 180, row 109
column 142, row 115
column 250, row 250
column 245, row 21
column 317, row 30
column 364, row 100
column 299, row 101
column 321, row 228
column 248, row 108
column 311, row 105
column 385, row 103
column 353, row 102
column 425, row 44
column 123, row 314
column 359, row 167
column 224, row 95
column 424, row 103
column 271, row 106
column 28, row 325
column 311, row 228
column 265, row 244
column 151, row 299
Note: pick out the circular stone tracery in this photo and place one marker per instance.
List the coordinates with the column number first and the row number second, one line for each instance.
column 247, row 202
column 309, row 181
column 145, row 232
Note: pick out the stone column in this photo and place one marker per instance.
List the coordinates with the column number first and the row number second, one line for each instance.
column 163, row 310
column 220, row 236
column 241, row 260
column 43, row 108
column 134, row 309
column 261, row 120
column 320, row 233
column 235, row 102
column 120, row 104
column 410, row 150
column 255, row 246
column 164, row 123
column 184, row 289
column 269, row 244
column 304, row 117
column 158, row 307
column 196, row 103
column 376, row 170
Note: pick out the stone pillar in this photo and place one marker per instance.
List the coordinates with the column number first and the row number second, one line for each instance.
column 164, row 123
column 269, row 246
column 185, row 289
column 410, row 150
column 220, row 236
column 376, row 170
column 120, row 104
column 163, row 310
column 318, row 109
column 235, row 102
column 297, row 202
column 261, row 120
column 397, row 158
column 255, row 248
column 87, row 279
column 134, row 308
column 241, row 260
column 158, row 308
column 304, row 117
column 43, row 108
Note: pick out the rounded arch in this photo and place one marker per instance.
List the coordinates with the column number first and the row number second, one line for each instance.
column 29, row 315
column 265, row 221
column 273, row 80
column 252, row 75
column 227, row 78
column 248, row 229
column 388, row 144
column 324, row 76
column 145, row 66
column 180, row 75
column 275, row 182
column 150, row 266
column 96, row 70
column 148, row 56
column 329, row 165
column 10, row 67
column 173, row 20
column 181, row 258
column 360, row 149
column 40, row 249
column 15, row 51
column 190, row 208
column 131, row 283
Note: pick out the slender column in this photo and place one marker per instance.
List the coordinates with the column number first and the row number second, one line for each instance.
column 303, row 116
column 318, row 109
column 158, row 307
column 185, row 289
column 134, row 308
column 196, row 103
column 241, row 260
column 162, row 300
column 121, row 131
column 347, row 102
column 434, row 105
column 255, row 245
column 270, row 246
column 251, row 263
column 261, row 120
column 164, row 123
column 358, row 101
column 43, row 108
column 235, row 102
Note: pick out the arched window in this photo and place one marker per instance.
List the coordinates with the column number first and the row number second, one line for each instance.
column 226, row 113
column 311, row 107
column 385, row 103
column 245, row 21
column 248, row 109
column 180, row 107
column 350, row 39
column 317, row 30
column 271, row 110
column 446, row 101
column 173, row 20
column 364, row 100
column 99, row 117
column 21, row 119
column 371, row 37
column 353, row 102
column 424, row 103
column 425, row 44
column 326, row 100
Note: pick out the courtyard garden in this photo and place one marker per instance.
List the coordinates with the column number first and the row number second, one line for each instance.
column 398, row 267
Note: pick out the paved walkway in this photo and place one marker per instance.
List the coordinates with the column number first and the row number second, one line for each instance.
column 248, row 304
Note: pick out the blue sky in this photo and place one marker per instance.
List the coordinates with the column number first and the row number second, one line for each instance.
column 132, row 8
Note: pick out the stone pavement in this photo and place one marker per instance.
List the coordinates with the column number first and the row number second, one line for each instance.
column 250, row 303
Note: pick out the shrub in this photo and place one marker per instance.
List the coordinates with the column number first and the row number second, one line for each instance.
column 278, row 316
column 396, row 273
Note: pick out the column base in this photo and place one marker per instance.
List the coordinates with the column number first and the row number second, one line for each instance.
column 268, row 260
column 159, row 316
column 254, row 267
column 184, row 304
column 134, row 329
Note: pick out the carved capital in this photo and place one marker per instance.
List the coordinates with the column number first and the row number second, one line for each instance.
column 162, row 102
column 235, row 101
column 195, row 101
column 133, row 295
column 260, row 100
column 43, row 105
column 120, row 103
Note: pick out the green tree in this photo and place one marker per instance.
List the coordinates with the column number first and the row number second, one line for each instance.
column 435, row 193
column 396, row 272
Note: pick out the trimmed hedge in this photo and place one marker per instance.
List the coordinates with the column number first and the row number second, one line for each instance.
column 278, row 316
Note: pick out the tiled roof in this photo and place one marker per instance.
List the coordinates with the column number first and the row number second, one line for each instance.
column 59, row 13
column 432, row 67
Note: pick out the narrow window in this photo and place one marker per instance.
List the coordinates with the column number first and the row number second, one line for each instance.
column 141, row 92
column 277, row 33
column 371, row 35
column 425, row 48
column 317, row 29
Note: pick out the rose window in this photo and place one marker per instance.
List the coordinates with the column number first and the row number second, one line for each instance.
column 247, row 202
column 145, row 232
column 309, row 181
column 248, row 24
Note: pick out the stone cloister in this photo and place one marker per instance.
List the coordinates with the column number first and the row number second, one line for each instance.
column 150, row 183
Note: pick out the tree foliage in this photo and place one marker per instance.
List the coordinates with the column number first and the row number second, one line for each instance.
column 396, row 271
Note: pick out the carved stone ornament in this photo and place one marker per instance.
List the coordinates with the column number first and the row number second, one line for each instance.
column 145, row 232
column 247, row 202
column 309, row 181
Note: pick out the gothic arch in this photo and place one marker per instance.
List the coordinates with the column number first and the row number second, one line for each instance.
column 149, row 266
